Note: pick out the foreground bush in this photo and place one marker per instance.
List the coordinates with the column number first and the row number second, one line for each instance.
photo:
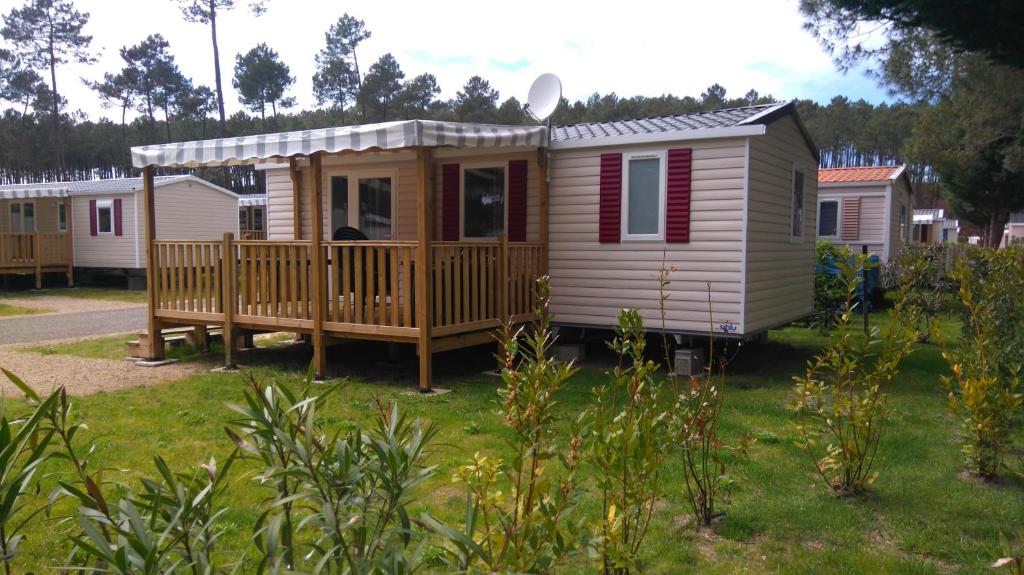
column 985, row 387
column 841, row 401
column 920, row 272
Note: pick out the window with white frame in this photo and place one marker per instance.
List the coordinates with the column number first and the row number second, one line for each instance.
column 105, row 216
column 643, row 195
column 23, row 217
column 360, row 200
column 62, row 218
column 797, row 210
column 483, row 201
column 828, row 219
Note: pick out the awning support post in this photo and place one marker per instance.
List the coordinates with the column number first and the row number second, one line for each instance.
column 424, row 298
column 69, row 245
column 318, row 293
column 155, row 339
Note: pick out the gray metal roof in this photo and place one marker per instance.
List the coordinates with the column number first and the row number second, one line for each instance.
column 112, row 185
column 727, row 118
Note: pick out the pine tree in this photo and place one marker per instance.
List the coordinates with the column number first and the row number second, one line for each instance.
column 261, row 78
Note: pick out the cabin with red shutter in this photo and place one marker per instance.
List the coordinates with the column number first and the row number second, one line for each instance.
column 93, row 228
column 434, row 233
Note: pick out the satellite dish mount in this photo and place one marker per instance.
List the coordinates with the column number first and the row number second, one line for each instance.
column 545, row 93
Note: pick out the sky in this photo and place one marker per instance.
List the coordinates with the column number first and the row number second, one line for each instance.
column 635, row 48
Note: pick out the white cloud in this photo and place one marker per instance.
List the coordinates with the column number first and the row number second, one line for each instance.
column 640, row 47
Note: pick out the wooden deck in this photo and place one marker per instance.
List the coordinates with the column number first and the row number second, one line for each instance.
column 370, row 289
column 36, row 254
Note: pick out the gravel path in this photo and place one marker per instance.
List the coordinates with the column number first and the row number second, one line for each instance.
column 60, row 304
column 33, row 328
column 82, row 376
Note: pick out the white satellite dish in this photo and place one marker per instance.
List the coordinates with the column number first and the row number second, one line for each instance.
column 545, row 94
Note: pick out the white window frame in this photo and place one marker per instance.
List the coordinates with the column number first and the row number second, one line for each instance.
column 462, row 199
column 21, row 217
column 100, row 204
column 662, row 157
column 794, row 238
column 62, row 226
column 353, row 197
column 839, row 219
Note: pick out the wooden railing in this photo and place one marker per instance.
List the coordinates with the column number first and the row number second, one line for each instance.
column 275, row 283
column 26, row 250
column 252, row 235
column 369, row 290
column 188, row 278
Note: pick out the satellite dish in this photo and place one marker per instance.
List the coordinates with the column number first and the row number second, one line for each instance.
column 545, row 93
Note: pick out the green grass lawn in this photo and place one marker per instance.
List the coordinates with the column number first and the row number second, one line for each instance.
column 923, row 515
column 8, row 310
column 107, row 294
column 115, row 347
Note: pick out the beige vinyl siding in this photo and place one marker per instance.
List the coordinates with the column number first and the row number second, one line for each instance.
column 45, row 214
column 779, row 271
column 901, row 196
column 591, row 281
column 280, row 200
column 107, row 251
column 873, row 213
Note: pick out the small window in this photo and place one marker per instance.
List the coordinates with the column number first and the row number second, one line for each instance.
column 62, row 218
column 105, row 216
column 243, row 219
column 828, row 219
column 483, row 202
column 797, row 215
column 257, row 219
column 23, row 217
column 644, row 196
column 904, row 224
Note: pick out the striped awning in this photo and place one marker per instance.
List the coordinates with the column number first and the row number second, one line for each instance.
column 30, row 192
column 386, row 136
column 245, row 202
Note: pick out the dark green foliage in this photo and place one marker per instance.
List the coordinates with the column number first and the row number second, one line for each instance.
column 920, row 271
column 261, row 79
column 337, row 80
column 381, row 91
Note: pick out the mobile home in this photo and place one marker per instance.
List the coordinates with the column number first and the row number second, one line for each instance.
column 252, row 217
column 94, row 227
column 869, row 206
column 433, row 233
column 931, row 226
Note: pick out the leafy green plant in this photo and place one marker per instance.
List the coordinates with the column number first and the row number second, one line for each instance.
column 518, row 514
column 920, row 270
column 984, row 390
column 627, row 442
column 828, row 287
column 1008, row 558
column 24, row 445
column 340, row 502
column 843, row 394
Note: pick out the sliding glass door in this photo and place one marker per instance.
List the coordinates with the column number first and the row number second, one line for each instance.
column 365, row 202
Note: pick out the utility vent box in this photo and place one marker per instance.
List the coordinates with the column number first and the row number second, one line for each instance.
column 569, row 352
column 689, row 361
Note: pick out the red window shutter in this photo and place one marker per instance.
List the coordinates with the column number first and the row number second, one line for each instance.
column 517, row 170
column 117, row 217
column 92, row 218
column 610, row 219
column 450, row 203
column 677, row 216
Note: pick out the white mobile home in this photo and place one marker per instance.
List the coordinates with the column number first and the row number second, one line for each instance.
column 95, row 226
column 869, row 206
column 1014, row 233
column 931, row 226
column 433, row 233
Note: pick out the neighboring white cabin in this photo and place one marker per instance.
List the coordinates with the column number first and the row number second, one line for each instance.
column 1014, row 233
column 931, row 226
column 743, row 237
column 106, row 216
column 869, row 206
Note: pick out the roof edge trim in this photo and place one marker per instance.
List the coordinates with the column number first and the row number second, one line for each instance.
column 660, row 137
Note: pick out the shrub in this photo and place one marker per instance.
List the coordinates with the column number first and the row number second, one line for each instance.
column 519, row 512
column 627, row 438
column 843, row 393
column 828, row 287
column 984, row 389
column 340, row 502
column 920, row 270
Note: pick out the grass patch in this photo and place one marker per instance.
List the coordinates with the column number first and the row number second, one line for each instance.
column 105, row 294
column 8, row 310
column 921, row 517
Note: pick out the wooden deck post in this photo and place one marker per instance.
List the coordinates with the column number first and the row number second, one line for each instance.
column 69, row 241
column 318, row 290
column 229, row 299
column 37, row 255
column 542, row 161
column 502, row 279
column 424, row 223
column 155, row 339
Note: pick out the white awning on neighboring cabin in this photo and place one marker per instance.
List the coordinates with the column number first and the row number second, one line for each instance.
column 387, row 136
column 246, row 201
column 31, row 192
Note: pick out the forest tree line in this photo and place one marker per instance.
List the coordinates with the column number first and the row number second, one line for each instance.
column 43, row 137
